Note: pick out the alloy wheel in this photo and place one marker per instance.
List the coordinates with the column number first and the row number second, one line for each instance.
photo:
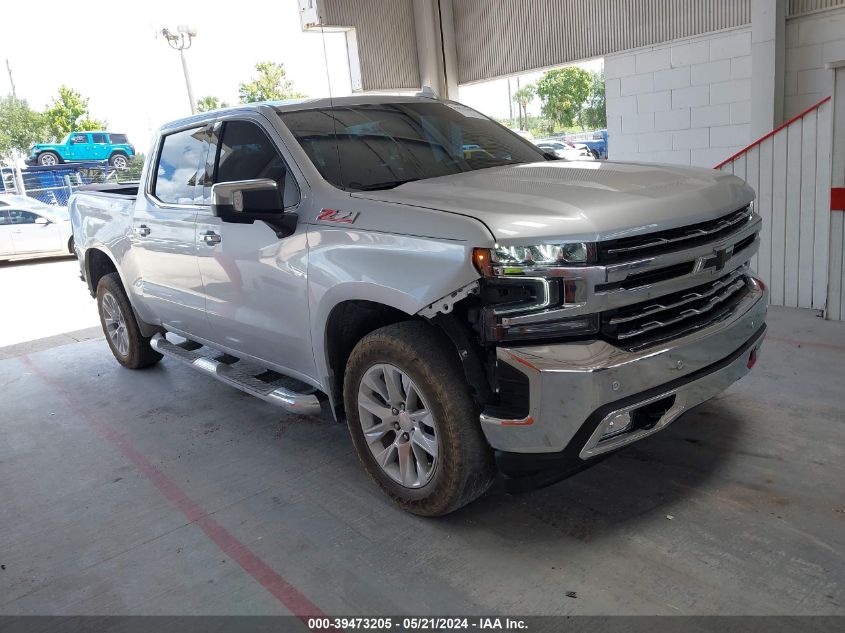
column 399, row 427
column 115, row 324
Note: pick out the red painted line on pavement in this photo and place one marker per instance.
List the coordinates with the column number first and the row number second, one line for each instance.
column 265, row 575
column 792, row 341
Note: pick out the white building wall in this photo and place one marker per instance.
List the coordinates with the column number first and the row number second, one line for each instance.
column 688, row 102
column 811, row 41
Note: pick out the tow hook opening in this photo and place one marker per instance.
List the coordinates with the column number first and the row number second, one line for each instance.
column 640, row 418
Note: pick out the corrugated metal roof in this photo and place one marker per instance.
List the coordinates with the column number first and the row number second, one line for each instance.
column 503, row 37
column 800, row 7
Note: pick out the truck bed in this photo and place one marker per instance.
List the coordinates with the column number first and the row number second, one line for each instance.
column 119, row 189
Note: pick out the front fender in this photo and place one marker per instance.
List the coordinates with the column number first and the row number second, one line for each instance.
column 403, row 272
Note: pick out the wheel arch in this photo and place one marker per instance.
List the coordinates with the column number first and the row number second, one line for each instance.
column 98, row 263
column 346, row 324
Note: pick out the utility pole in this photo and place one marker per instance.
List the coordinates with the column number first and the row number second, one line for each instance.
column 181, row 41
column 11, row 81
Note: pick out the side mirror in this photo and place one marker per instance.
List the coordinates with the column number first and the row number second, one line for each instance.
column 245, row 201
column 41, row 220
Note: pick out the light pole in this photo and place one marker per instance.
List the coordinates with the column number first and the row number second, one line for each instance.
column 181, row 41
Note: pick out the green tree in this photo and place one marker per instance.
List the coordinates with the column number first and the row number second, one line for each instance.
column 563, row 92
column 207, row 103
column 20, row 127
column 69, row 112
column 270, row 85
column 87, row 123
column 522, row 98
column 594, row 115
column 133, row 170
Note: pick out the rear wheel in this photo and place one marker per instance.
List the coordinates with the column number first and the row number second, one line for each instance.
column 48, row 159
column 119, row 161
column 130, row 347
column 413, row 421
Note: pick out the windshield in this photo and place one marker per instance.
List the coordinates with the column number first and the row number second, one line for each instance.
column 380, row 146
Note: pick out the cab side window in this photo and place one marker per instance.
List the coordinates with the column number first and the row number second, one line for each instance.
column 76, row 139
column 21, row 217
column 98, row 138
column 178, row 173
column 4, row 217
column 246, row 152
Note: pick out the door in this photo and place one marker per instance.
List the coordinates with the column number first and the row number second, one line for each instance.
column 77, row 148
column 32, row 233
column 166, row 279
column 255, row 282
column 99, row 146
column 6, row 228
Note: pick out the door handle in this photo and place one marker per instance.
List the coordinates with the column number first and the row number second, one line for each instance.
column 143, row 230
column 211, row 238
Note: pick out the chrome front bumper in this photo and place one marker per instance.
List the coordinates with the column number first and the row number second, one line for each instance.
column 575, row 388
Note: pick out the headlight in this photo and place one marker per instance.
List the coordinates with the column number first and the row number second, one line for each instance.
column 518, row 281
column 520, row 260
column 540, row 255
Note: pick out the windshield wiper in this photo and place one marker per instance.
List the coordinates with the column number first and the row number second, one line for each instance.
column 387, row 184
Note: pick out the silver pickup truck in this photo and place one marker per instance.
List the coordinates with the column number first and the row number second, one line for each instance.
column 467, row 303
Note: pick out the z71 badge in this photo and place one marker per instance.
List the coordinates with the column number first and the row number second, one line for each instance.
column 341, row 217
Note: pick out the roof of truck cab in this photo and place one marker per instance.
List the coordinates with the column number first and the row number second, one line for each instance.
column 293, row 105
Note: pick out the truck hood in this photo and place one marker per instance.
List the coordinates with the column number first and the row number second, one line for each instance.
column 576, row 201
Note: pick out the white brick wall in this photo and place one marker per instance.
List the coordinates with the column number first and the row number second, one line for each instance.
column 686, row 102
column 811, row 41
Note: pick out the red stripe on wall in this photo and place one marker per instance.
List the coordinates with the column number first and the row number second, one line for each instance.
column 837, row 199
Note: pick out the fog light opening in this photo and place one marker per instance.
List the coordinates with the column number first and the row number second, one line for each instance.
column 617, row 425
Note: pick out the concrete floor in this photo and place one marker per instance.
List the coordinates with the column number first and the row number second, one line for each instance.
column 43, row 298
column 163, row 492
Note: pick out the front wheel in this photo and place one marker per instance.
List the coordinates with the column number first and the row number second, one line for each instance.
column 48, row 159
column 413, row 421
column 130, row 347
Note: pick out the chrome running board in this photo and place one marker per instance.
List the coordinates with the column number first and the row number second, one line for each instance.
column 256, row 381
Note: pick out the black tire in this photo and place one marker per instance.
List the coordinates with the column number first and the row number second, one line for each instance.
column 48, row 159
column 465, row 468
column 119, row 160
column 138, row 354
column 70, row 246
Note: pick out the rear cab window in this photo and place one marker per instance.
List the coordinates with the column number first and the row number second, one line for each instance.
column 99, row 138
column 118, row 139
column 180, row 170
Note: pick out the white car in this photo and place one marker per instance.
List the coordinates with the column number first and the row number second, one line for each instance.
column 565, row 150
column 29, row 228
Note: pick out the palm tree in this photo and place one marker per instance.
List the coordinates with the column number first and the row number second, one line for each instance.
column 522, row 98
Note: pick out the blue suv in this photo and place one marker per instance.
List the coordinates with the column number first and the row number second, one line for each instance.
column 84, row 146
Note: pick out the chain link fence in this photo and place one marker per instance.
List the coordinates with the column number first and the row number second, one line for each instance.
column 55, row 185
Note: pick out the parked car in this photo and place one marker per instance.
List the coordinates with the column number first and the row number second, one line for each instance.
column 464, row 314
column 84, row 146
column 565, row 150
column 29, row 228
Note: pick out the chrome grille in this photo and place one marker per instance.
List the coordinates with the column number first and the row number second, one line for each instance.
column 673, row 239
column 650, row 322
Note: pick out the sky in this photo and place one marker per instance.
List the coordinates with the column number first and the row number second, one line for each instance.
column 114, row 55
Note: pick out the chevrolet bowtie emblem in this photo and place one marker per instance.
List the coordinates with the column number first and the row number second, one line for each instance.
column 716, row 261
